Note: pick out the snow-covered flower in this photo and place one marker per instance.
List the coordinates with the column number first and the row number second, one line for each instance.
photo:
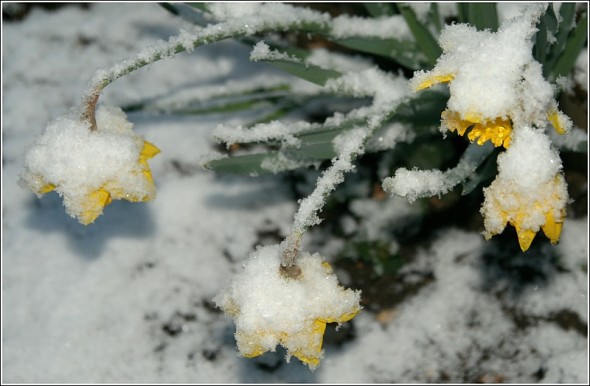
column 90, row 169
column 494, row 82
column 270, row 308
column 529, row 193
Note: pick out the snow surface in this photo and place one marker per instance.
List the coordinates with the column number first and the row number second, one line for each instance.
column 129, row 298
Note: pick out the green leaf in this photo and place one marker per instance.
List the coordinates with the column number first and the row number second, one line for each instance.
column 309, row 72
column 573, row 47
column 316, row 145
column 405, row 53
column 275, row 114
column 170, row 8
column 540, row 48
column 481, row 15
column 200, row 6
column 563, row 30
column 252, row 164
column 423, row 110
column 477, row 166
column 547, row 26
column 550, row 19
column 244, row 164
column 379, row 9
column 435, row 18
column 424, row 38
column 193, row 13
column 231, row 101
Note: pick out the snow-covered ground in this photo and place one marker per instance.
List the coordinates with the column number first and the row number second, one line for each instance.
column 129, row 298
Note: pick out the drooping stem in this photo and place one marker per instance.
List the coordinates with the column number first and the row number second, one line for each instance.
column 230, row 28
column 290, row 249
column 89, row 107
column 349, row 145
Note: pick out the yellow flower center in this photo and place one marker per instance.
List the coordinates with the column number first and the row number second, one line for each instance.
column 497, row 131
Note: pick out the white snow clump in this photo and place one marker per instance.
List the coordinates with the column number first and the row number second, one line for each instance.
column 270, row 309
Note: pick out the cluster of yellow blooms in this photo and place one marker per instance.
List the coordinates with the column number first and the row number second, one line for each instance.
column 496, row 88
column 497, row 94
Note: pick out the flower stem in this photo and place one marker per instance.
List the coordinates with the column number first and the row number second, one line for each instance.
column 307, row 214
column 185, row 42
column 89, row 107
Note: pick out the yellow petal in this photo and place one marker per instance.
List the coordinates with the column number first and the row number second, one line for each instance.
column 453, row 122
column 436, row 79
column 552, row 228
column 249, row 344
column 148, row 151
column 556, row 122
column 473, row 117
column 525, row 237
column 46, row 188
column 311, row 354
column 255, row 352
column 93, row 205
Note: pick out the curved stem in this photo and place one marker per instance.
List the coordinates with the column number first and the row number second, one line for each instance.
column 349, row 145
column 183, row 42
column 89, row 107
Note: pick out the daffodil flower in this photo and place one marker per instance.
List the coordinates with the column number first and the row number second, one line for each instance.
column 306, row 345
column 494, row 82
column 270, row 309
column 90, row 169
column 529, row 193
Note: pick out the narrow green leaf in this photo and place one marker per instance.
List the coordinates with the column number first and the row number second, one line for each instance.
column 404, row 52
column 170, row 8
column 424, row 38
column 462, row 12
column 195, row 14
column 200, row 6
column 540, row 48
column 275, row 115
column 252, row 164
column 475, row 157
column 563, row 30
column 244, row 164
column 423, row 110
column 567, row 12
column 309, row 72
column 550, row 19
column 379, row 9
column 573, row 47
column 435, row 16
column 233, row 100
column 230, row 107
column 543, row 50
column 315, row 146
column 482, row 15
